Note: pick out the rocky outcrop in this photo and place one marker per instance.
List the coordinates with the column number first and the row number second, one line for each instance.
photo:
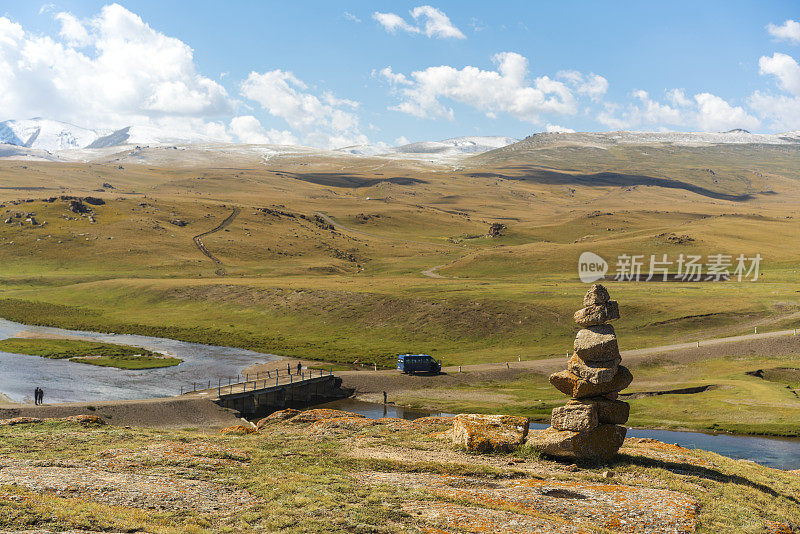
column 489, row 433
column 238, row 430
column 280, row 415
column 589, row 427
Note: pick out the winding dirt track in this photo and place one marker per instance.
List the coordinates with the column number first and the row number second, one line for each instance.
column 198, row 240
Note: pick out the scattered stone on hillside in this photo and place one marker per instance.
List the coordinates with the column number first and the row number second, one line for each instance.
column 76, row 206
column 85, row 419
column 280, row 415
column 496, row 229
column 319, row 414
column 577, row 388
column 238, row 430
column 107, row 185
column 589, row 426
column 599, row 444
column 178, row 222
column 575, row 417
column 675, row 239
column 488, row 433
column 597, row 294
column 19, row 421
column 597, row 314
column 593, row 372
column 597, row 343
column 94, row 201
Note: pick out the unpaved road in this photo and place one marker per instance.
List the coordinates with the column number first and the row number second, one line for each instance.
column 370, row 384
column 198, row 240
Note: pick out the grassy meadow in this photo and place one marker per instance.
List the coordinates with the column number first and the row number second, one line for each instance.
column 409, row 266
column 89, row 352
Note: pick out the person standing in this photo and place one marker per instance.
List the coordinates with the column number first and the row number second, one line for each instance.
column 41, row 396
column 299, row 368
column 36, row 396
column 288, row 368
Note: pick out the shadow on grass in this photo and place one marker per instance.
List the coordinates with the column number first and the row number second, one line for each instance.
column 702, row 472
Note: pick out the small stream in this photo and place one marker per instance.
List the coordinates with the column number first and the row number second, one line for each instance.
column 780, row 453
column 66, row 381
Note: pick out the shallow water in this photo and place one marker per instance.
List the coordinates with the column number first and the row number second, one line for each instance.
column 65, row 381
column 780, row 453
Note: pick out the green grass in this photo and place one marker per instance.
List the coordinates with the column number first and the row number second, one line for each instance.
column 305, row 482
column 89, row 352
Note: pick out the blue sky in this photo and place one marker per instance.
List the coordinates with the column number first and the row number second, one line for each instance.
column 316, row 72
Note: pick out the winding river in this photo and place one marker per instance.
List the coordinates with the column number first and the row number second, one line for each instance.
column 65, row 381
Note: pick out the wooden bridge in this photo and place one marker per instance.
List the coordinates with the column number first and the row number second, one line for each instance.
column 265, row 392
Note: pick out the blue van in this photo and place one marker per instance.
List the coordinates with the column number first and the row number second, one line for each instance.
column 418, row 363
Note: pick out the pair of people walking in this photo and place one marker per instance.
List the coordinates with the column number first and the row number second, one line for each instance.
column 38, row 396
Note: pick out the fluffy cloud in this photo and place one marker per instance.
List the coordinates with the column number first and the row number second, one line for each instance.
column 704, row 112
column 782, row 110
column 592, row 85
column 248, row 129
column 129, row 74
column 324, row 121
column 785, row 69
column 429, row 21
column 505, row 90
column 789, row 31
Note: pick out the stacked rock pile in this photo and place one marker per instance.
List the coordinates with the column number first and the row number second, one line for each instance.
column 589, row 426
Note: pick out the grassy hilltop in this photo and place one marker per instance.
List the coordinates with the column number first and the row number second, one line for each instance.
column 349, row 259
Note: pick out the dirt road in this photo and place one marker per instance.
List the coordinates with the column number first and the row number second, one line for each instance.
column 198, row 240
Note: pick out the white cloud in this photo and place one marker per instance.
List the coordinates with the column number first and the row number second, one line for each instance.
column 505, row 90
column 349, row 16
column 430, row 21
column 555, row 128
column 402, row 140
column 248, row 129
column 327, row 121
column 782, row 110
column 705, row 112
column 73, row 30
column 591, row 85
column 785, row 69
column 715, row 115
column 130, row 73
column 789, row 31
column 392, row 22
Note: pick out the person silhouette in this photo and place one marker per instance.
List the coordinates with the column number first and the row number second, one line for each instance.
column 36, row 396
column 41, row 396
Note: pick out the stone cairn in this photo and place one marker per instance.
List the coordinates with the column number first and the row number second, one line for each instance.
column 589, row 427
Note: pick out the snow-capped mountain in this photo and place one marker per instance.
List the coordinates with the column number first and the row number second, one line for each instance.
column 52, row 136
column 44, row 134
column 457, row 145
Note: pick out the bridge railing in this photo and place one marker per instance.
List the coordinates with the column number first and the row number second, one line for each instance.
column 254, row 381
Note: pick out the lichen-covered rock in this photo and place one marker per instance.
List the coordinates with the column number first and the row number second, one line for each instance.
column 577, row 388
column 319, row 414
column 597, row 294
column 487, row 433
column 597, row 314
column 85, row 419
column 19, row 421
column 432, row 421
column 599, row 444
column 280, row 415
column 238, row 430
column 614, row 412
column 597, row 343
column 594, row 372
column 575, row 417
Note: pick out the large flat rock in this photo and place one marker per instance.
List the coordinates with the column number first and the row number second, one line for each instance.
column 597, row 343
column 597, row 314
column 576, row 387
column 485, row 433
column 599, row 445
column 594, row 372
